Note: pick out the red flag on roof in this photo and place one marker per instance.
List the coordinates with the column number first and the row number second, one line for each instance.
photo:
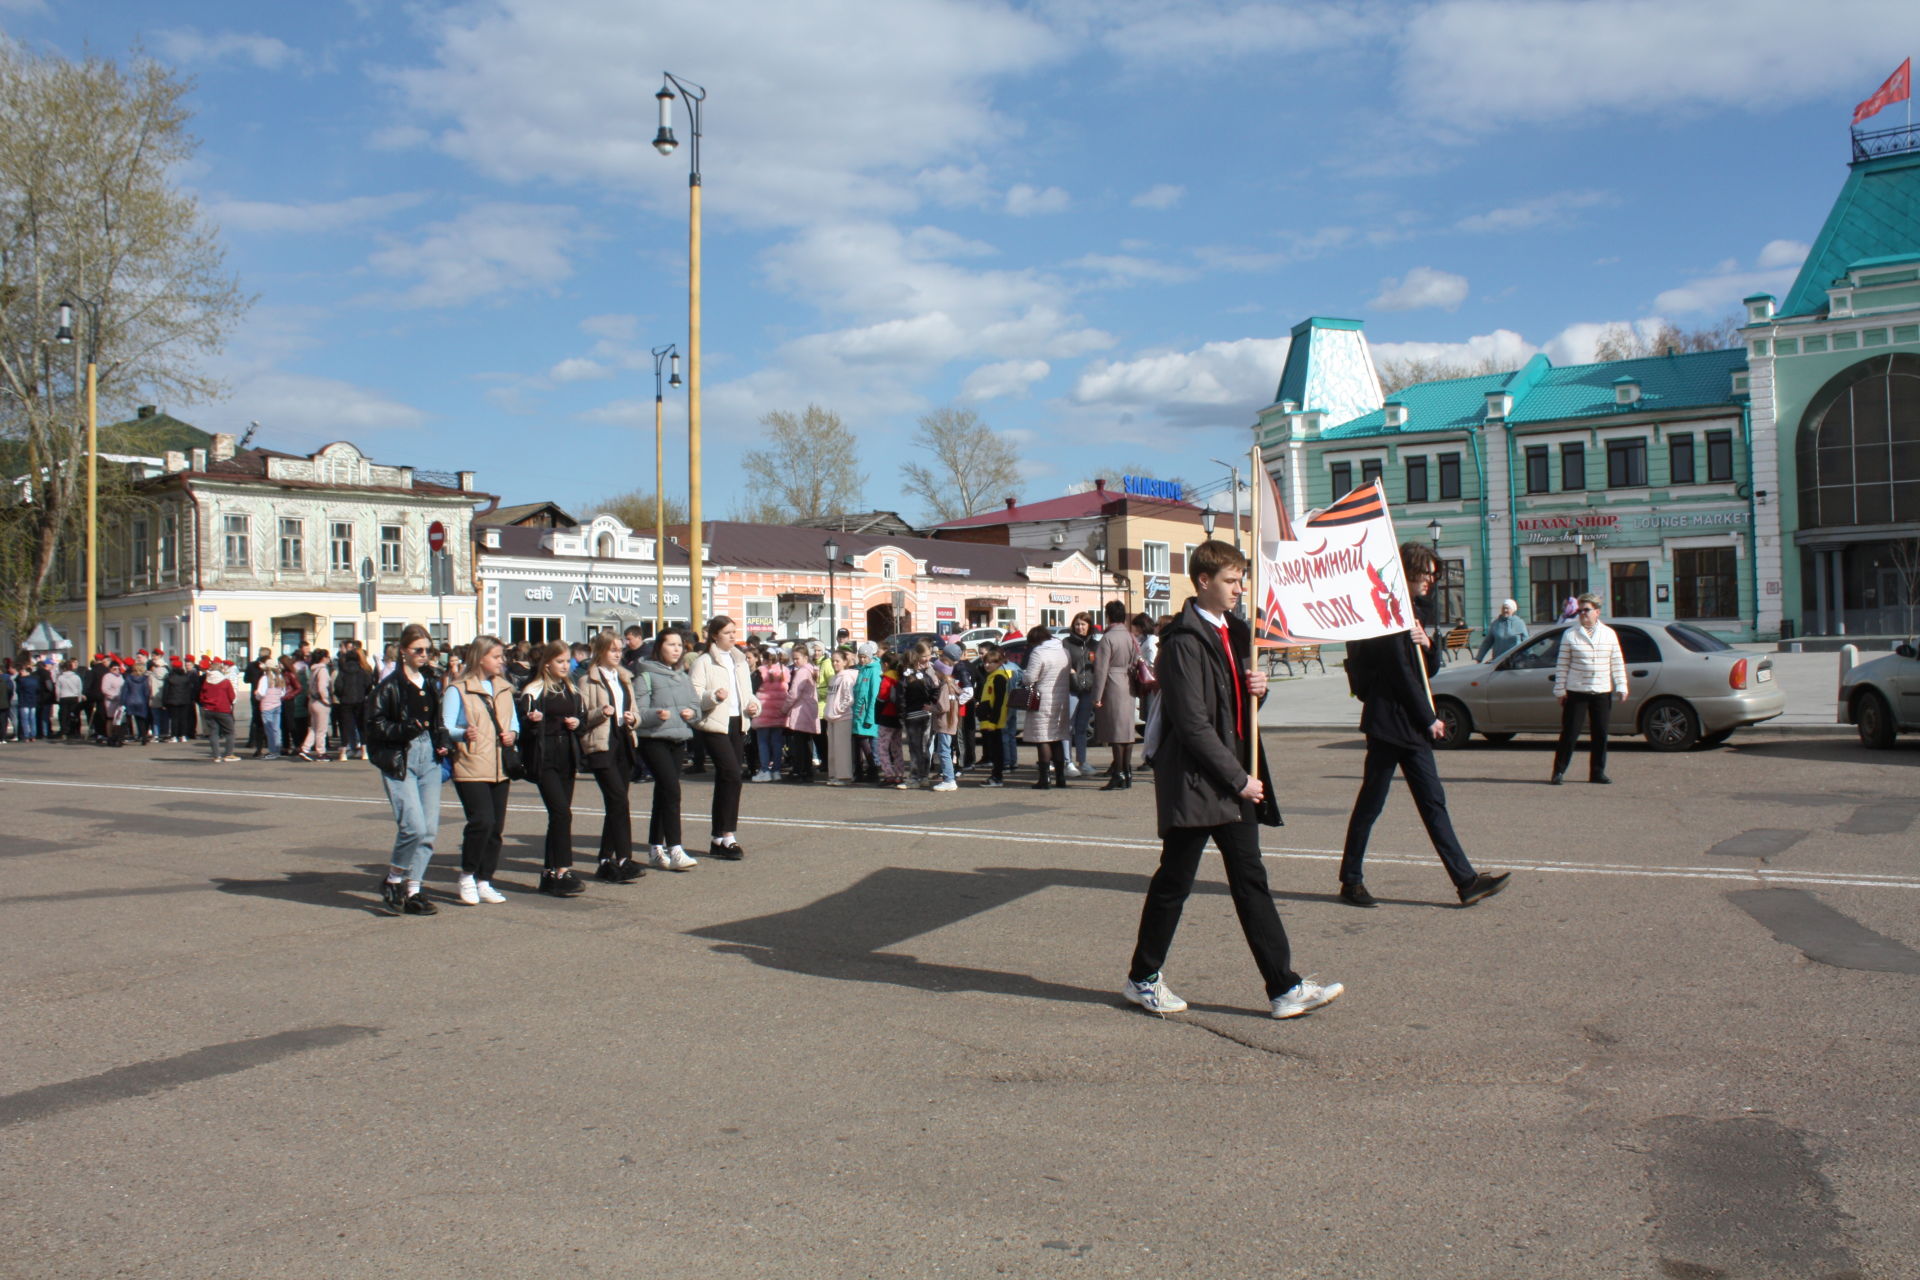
column 1898, row 88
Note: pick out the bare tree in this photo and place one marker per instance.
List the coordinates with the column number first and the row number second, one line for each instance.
column 1621, row 342
column 807, row 470
column 973, row 466
column 1906, row 563
column 1397, row 375
column 89, row 213
column 634, row 508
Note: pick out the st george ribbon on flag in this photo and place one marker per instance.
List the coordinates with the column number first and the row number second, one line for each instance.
column 1337, row 578
column 1898, row 88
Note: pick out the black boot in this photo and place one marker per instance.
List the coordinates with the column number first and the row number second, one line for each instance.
column 1115, row 782
column 1060, row 771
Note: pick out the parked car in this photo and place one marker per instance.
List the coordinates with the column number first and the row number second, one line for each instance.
column 1684, row 686
column 1881, row 698
column 901, row 641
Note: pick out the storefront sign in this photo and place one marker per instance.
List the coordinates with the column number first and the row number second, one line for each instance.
column 1059, row 597
column 1144, row 487
column 610, row 595
column 943, row 613
column 1158, row 588
column 1588, row 520
column 948, row 571
column 1693, row 520
column 539, row 593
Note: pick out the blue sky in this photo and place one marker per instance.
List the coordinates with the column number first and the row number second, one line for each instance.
column 1093, row 224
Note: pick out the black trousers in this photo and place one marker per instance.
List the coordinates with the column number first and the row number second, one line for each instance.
column 1597, row 708
column 613, row 770
column 1180, row 852
column 663, row 762
column 968, row 750
column 724, row 750
column 800, row 753
column 486, row 806
column 994, row 744
column 1423, row 781
column 256, row 727
column 556, row 792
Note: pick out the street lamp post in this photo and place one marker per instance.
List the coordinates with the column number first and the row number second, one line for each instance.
column 1206, row 521
column 1434, row 530
column 664, row 142
column 661, row 355
column 1100, row 578
column 64, row 336
column 832, row 549
column 1233, row 473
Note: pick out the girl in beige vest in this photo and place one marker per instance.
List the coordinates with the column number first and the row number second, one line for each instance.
column 474, row 704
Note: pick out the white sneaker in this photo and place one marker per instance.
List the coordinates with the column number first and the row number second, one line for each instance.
column 1306, row 996
column 657, row 857
column 1073, row 770
column 679, row 859
column 469, row 892
column 1153, row 996
column 946, row 785
column 488, row 893
column 763, row 776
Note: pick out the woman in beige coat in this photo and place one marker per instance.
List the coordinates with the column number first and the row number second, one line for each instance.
column 723, row 680
column 606, row 740
column 1047, row 721
column 478, row 713
column 1113, row 705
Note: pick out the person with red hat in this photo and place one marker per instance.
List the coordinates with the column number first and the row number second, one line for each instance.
column 180, row 692
column 216, row 698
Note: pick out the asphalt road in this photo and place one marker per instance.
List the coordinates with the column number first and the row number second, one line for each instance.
column 889, row 1042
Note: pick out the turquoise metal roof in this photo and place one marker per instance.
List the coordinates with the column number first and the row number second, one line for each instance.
column 1876, row 216
column 1542, row 393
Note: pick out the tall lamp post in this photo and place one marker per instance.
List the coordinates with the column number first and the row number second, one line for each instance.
column 1206, row 521
column 832, row 549
column 1233, row 472
column 661, row 355
column 64, row 336
column 1580, row 550
column 1100, row 591
column 664, row 142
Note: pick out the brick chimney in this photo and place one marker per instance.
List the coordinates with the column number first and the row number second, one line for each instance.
column 1100, row 484
column 222, row 446
column 175, row 460
column 1010, row 504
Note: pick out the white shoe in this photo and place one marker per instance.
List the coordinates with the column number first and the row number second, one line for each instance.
column 1153, row 996
column 657, row 857
column 469, row 892
column 680, row 860
column 488, row 893
column 763, row 776
column 1306, row 996
column 1073, row 770
column 946, row 786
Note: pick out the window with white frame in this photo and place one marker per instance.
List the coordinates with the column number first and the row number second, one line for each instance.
column 1155, row 558
column 340, row 547
column 390, row 548
column 1004, row 617
column 1186, row 564
column 889, row 568
column 236, row 534
column 1056, row 619
column 343, row 631
column 169, row 543
column 535, row 629
column 292, row 543
column 137, row 549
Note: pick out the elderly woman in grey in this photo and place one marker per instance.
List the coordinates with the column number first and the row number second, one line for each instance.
column 1506, row 631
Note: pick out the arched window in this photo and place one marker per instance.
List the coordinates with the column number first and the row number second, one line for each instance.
column 603, row 546
column 1859, row 447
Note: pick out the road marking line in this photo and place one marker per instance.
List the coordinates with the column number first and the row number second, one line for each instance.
column 1763, row 875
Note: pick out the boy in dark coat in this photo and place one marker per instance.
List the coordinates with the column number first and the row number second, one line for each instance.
column 1209, row 704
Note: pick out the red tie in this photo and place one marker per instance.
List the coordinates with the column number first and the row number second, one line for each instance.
column 1239, row 695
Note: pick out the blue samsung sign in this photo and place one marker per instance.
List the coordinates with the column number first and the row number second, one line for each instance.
column 1144, row 487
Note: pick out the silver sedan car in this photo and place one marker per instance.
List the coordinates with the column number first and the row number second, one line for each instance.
column 1684, row 686
column 1881, row 698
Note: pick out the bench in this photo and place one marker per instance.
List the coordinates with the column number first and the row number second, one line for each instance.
column 1457, row 641
column 1287, row 655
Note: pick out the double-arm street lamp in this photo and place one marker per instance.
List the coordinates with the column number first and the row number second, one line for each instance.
column 1233, row 474
column 664, row 142
column 661, row 356
column 64, row 336
column 832, row 549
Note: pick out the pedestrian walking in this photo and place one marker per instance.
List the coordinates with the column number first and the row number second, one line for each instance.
column 609, row 714
column 551, row 714
column 406, row 742
column 1503, row 633
column 1049, row 706
column 723, row 682
column 668, row 708
column 1400, row 724
column 1113, row 702
column 481, row 722
column 1590, row 676
column 1204, row 790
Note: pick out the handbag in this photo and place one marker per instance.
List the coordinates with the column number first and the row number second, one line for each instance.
column 1033, row 699
column 1141, row 677
column 511, row 766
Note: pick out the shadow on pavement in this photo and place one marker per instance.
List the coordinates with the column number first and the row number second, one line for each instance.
column 347, row 891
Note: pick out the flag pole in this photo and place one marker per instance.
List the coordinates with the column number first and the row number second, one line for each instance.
column 1257, row 474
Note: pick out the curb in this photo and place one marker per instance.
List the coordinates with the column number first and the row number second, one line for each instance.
column 1796, row 730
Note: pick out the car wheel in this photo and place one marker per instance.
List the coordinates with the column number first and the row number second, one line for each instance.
column 1459, row 724
column 1874, row 718
column 1670, row 725
column 1498, row 737
column 1716, row 739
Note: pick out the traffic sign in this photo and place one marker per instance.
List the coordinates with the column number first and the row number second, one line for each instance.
column 366, row 569
column 436, row 536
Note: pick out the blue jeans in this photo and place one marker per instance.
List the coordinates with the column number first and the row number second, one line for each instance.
column 162, row 723
column 1082, row 728
column 416, row 809
column 270, row 721
column 772, row 739
column 1009, row 745
column 26, row 721
column 943, row 755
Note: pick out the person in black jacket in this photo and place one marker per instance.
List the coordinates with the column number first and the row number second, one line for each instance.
column 256, row 726
column 352, row 682
column 179, row 694
column 406, row 742
column 551, row 714
column 1400, row 722
column 1203, row 790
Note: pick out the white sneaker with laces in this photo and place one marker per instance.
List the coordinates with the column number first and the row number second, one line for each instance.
column 487, row 893
column 946, row 785
column 1073, row 770
column 1306, row 996
column 1153, row 996
column 469, row 892
column 679, row 859
column 763, row 776
column 657, row 857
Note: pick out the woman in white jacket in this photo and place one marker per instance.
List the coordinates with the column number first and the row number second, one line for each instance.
column 723, row 681
column 1050, row 716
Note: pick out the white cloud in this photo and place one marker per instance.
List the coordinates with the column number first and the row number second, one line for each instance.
column 1722, row 289
column 185, row 44
column 493, row 248
column 1533, row 213
column 1151, row 34
column 1221, row 382
column 1161, row 195
column 578, row 369
column 1579, row 343
column 1419, row 288
column 1485, row 64
column 813, row 122
column 317, row 410
column 309, row 217
column 1121, row 268
column 1024, row 201
column 1006, row 378
column 1503, row 349
column 956, row 187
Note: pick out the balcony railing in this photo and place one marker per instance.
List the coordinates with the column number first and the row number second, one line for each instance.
column 1898, row 140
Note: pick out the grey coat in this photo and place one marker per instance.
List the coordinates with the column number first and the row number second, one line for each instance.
column 658, row 687
column 1113, row 685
